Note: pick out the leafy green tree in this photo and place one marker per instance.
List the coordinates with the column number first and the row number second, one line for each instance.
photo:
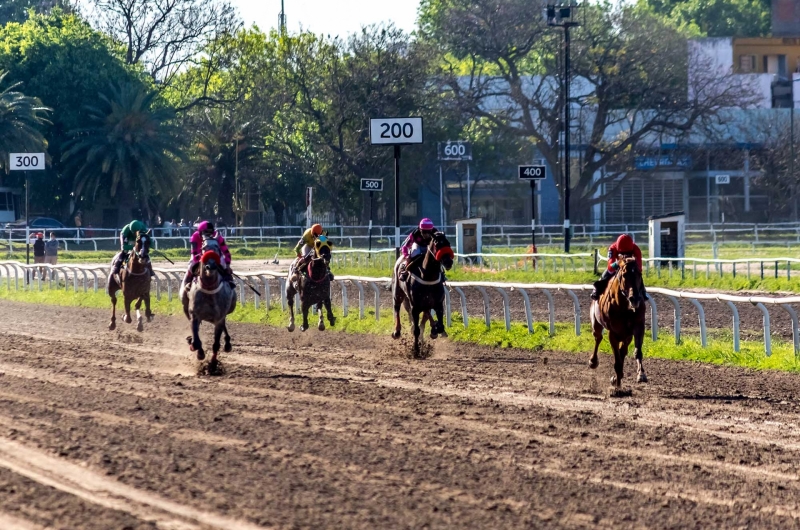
column 17, row 10
column 62, row 61
column 717, row 18
column 129, row 148
column 21, row 121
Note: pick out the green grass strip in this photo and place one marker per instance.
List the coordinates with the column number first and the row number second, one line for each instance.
column 718, row 351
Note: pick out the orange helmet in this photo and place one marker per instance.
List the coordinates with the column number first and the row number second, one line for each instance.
column 316, row 230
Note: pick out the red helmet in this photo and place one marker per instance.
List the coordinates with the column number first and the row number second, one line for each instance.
column 625, row 243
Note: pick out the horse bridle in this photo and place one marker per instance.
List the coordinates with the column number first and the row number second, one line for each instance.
column 636, row 289
column 311, row 276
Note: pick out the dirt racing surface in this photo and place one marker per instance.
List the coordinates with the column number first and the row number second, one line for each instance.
column 115, row 430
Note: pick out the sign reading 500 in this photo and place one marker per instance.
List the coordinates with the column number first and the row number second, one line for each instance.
column 395, row 131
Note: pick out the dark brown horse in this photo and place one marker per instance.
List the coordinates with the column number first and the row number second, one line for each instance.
column 621, row 310
column 134, row 282
column 314, row 287
column 423, row 291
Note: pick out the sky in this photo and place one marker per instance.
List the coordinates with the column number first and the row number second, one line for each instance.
column 329, row 17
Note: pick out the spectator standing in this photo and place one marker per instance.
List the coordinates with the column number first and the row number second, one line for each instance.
column 38, row 252
column 51, row 251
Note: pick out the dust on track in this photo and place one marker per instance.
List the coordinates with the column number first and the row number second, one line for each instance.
column 325, row 429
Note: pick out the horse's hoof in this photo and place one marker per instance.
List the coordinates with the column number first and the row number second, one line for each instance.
column 127, row 319
column 321, row 326
column 189, row 340
column 140, row 327
column 112, row 326
column 641, row 378
column 290, row 327
column 227, row 348
column 303, row 328
column 200, row 354
column 332, row 321
column 614, row 381
column 434, row 335
column 150, row 318
column 593, row 364
column 395, row 335
column 213, row 367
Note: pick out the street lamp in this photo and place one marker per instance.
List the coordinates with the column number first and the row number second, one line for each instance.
column 562, row 16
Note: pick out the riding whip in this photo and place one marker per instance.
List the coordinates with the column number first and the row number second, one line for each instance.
column 246, row 283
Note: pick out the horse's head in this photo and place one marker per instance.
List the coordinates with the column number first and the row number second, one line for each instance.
column 440, row 247
column 630, row 282
column 209, row 267
column 323, row 248
column 142, row 247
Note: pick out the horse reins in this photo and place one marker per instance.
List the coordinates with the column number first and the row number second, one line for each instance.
column 311, row 276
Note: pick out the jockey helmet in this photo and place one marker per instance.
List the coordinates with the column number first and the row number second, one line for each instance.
column 316, row 229
column 625, row 243
column 426, row 224
column 205, row 226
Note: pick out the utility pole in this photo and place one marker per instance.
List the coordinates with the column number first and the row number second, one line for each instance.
column 562, row 16
column 282, row 19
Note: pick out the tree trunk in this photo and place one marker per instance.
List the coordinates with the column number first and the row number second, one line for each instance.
column 225, row 200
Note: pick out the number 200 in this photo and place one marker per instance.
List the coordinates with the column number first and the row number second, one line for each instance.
column 395, row 130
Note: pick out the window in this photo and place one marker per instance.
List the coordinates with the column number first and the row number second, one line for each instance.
column 747, row 64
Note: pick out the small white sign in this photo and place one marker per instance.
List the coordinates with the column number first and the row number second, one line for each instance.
column 395, row 131
column 532, row 172
column 26, row 162
column 723, row 179
column 371, row 184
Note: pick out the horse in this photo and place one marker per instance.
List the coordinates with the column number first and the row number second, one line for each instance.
column 621, row 310
column 314, row 287
column 210, row 299
column 134, row 282
column 421, row 293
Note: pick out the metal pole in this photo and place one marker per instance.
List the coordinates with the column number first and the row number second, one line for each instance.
column 469, row 198
column 27, row 226
column 441, row 198
column 397, row 201
column 370, row 223
column 791, row 160
column 533, row 216
column 566, row 139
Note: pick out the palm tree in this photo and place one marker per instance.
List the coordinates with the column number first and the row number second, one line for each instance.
column 21, row 117
column 130, row 148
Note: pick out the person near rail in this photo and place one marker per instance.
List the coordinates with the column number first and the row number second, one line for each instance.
column 206, row 238
column 623, row 246
column 51, row 250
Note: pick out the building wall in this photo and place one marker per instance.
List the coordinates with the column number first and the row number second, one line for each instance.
column 771, row 49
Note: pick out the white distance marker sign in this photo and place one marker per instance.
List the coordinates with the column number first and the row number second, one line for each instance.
column 26, row 162
column 395, row 131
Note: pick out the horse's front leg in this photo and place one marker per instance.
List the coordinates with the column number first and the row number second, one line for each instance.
column 415, row 314
column 619, row 358
column 127, row 318
column 228, row 346
column 597, row 331
column 331, row 318
column 113, row 324
column 396, row 298
column 212, row 364
column 638, row 339
column 139, row 321
column 439, row 309
column 147, row 313
column 321, row 323
column 304, row 307
column 196, row 345
column 290, row 301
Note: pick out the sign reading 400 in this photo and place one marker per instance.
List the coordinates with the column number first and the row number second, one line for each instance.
column 395, row 131
column 26, row 161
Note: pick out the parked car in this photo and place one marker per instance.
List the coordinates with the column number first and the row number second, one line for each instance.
column 42, row 224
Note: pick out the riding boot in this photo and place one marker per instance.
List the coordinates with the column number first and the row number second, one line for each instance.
column 600, row 285
column 187, row 280
column 403, row 270
column 122, row 257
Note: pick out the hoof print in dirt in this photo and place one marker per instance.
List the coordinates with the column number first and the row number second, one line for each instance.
column 214, row 369
column 620, row 392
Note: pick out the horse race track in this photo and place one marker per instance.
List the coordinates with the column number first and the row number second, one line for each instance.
column 113, row 430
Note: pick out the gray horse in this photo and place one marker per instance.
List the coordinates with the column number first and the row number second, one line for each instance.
column 210, row 299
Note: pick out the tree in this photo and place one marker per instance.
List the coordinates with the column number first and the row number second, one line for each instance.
column 717, row 18
column 17, row 10
column 21, row 120
column 129, row 148
column 59, row 59
column 163, row 35
column 632, row 83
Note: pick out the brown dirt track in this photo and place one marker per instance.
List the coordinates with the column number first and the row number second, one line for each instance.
column 107, row 430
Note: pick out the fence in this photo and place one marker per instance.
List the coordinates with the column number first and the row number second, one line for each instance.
column 493, row 235
column 170, row 280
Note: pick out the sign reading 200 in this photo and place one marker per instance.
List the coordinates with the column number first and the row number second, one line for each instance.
column 395, row 131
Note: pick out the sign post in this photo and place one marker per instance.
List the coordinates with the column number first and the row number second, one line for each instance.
column 533, row 174
column 309, row 198
column 396, row 132
column 458, row 151
column 26, row 162
column 371, row 185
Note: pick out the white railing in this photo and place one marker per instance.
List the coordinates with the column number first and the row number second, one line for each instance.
column 172, row 278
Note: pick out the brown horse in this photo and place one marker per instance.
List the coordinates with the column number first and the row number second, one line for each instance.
column 134, row 282
column 621, row 310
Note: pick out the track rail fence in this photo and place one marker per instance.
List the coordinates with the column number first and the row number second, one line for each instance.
column 167, row 282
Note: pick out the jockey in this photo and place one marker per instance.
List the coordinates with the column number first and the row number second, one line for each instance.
column 207, row 239
column 623, row 245
column 306, row 243
column 415, row 244
column 127, row 238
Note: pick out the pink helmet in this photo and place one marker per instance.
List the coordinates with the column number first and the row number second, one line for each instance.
column 426, row 224
column 205, row 226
